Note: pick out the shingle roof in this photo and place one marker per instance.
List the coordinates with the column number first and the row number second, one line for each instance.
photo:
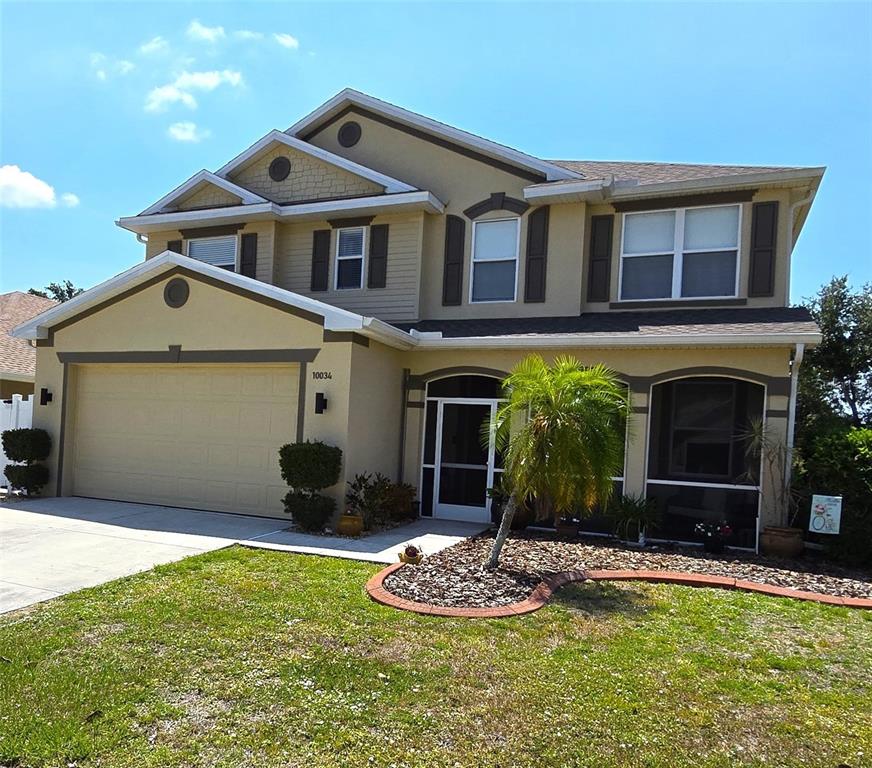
column 16, row 355
column 671, row 322
column 653, row 173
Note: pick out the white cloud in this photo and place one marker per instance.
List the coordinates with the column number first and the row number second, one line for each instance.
column 286, row 40
column 103, row 66
column 155, row 45
column 179, row 91
column 198, row 31
column 21, row 189
column 187, row 131
column 247, row 34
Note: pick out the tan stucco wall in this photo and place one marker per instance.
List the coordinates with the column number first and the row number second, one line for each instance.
column 309, row 179
column 205, row 196
column 9, row 388
column 397, row 301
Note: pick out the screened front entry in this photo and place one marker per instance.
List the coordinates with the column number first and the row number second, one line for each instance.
column 460, row 462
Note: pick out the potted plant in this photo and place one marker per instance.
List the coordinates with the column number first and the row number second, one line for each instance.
column 778, row 498
column 714, row 535
column 634, row 516
column 411, row 555
column 568, row 526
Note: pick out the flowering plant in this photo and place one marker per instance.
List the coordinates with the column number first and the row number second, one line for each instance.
column 720, row 530
column 412, row 550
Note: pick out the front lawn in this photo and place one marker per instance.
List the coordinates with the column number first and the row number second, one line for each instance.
column 254, row 658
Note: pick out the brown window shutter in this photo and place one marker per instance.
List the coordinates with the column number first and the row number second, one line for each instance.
column 764, row 229
column 599, row 271
column 537, row 255
column 378, row 256
column 248, row 258
column 452, row 277
column 320, row 259
column 175, row 246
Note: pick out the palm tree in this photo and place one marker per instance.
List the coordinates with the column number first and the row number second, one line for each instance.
column 561, row 433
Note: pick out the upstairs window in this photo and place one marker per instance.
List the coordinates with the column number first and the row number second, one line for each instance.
column 349, row 257
column 494, row 260
column 680, row 254
column 217, row 251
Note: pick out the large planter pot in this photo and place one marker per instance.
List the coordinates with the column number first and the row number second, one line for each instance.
column 781, row 542
column 350, row 525
column 566, row 529
column 713, row 544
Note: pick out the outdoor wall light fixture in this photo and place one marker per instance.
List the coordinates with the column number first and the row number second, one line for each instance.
column 45, row 397
column 320, row 402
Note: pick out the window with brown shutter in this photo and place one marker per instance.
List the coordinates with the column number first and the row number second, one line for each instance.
column 377, row 273
column 599, row 270
column 764, row 229
column 452, row 277
column 248, row 256
column 537, row 255
column 320, row 259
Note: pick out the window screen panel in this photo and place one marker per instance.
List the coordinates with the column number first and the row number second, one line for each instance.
column 709, row 274
column 349, row 273
column 350, row 242
column 218, row 251
column 649, row 232
column 711, row 229
column 493, row 281
column 496, row 240
column 647, row 277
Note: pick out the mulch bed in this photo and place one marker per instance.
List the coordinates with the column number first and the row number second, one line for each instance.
column 455, row 577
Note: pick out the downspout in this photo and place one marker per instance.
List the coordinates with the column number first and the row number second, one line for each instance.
column 790, row 212
column 791, row 411
column 140, row 240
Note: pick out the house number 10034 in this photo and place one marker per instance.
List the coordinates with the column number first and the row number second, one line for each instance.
column 321, row 375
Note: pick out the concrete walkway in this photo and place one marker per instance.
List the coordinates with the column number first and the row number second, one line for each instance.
column 49, row 547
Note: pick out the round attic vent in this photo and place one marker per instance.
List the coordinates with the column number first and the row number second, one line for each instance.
column 279, row 169
column 176, row 292
column 349, row 134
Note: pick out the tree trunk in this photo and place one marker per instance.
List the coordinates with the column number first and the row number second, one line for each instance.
column 502, row 533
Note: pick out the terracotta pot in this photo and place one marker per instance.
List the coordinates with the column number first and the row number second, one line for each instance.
column 350, row 525
column 781, row 542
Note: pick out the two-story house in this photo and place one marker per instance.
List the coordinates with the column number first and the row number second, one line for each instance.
column 367, row 276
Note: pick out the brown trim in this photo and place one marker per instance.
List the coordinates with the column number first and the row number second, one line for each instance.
column 176, row 293
column 764, row 239
column 415, row 404
column 301, row 402
column 216, row 231
column 335, row 198
column 351, row 221
column 498, row 201
column 345, row 336
column 678, row 303
column 777, row 413
column 174, row 354
column 419, row 381
column 274, row 304
column 419, row 134
column 404, row 385
column 599, row 268
column 775, row 385
column 684, row 201
column 49, row 342
column 639, row 409
column 62, row 431
column 453, row 260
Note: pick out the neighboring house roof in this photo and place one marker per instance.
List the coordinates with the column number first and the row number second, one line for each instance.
column 390, row 184
column 17, row 357
column 366, row 103
column 694, row 325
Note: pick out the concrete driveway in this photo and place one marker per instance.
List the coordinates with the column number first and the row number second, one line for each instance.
column 49, row 547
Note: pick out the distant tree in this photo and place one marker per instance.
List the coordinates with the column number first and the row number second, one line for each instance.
column 58, row 291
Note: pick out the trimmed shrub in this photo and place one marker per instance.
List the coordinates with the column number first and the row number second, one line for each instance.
column 29, row 478
column 840, row 464
column 310, row 465
column 310, row 512
column 26, row 445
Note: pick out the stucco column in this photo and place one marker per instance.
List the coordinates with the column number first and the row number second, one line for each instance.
column 637, row 440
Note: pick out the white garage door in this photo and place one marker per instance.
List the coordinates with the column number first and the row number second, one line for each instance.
column 200, row 436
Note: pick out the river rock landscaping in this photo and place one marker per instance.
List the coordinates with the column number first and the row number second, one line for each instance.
column 456, row 577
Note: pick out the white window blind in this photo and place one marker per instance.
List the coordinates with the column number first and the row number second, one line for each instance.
column 217, row 251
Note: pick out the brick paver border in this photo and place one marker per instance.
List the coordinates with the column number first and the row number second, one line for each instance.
column 542, row 594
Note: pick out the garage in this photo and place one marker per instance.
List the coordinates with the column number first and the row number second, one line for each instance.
column 199, row 436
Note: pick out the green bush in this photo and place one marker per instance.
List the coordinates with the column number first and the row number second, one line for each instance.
column 840, row 464
column 310, row 465
column 400, row 501
column 367, row 496
column 310, row 511
column 29, row 478
column 26, row 445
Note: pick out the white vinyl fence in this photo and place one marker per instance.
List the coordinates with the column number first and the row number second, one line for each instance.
column 16, row 413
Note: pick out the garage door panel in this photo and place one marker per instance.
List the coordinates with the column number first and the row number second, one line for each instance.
column 199, row 436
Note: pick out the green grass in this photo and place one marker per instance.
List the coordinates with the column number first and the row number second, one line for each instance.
column 255, row 658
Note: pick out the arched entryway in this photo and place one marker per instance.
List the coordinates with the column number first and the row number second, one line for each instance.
column 699, row 465
column 459, row 464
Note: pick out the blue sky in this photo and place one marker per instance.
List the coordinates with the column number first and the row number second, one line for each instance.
column 111, row 105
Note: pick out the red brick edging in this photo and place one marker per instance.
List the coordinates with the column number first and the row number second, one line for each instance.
column 542, row 594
